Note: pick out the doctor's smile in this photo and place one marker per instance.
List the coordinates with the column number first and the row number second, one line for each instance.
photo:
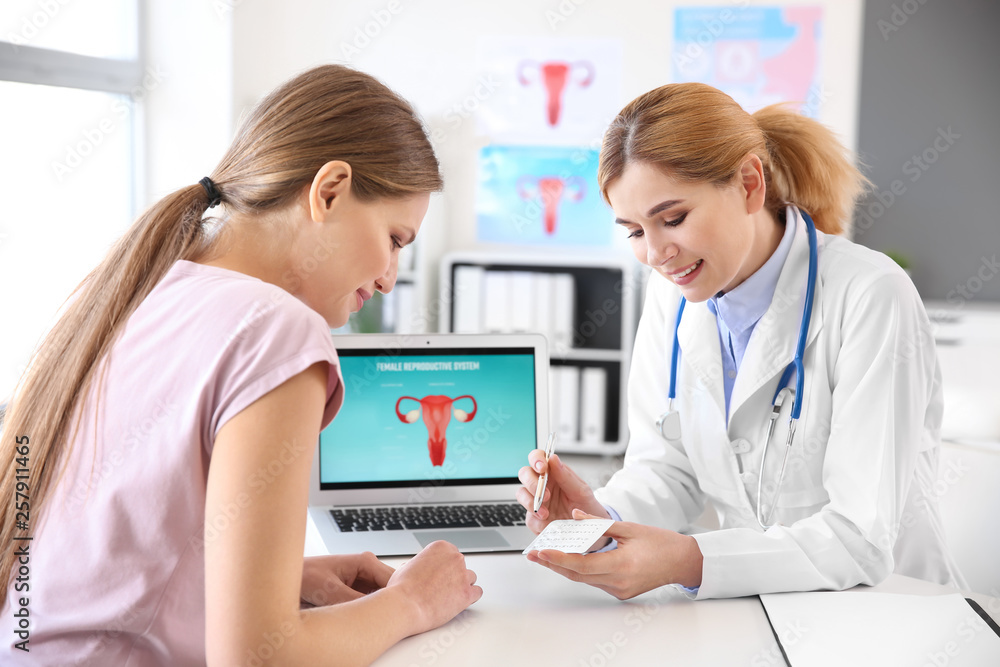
column 722, row 369
column 685, row 276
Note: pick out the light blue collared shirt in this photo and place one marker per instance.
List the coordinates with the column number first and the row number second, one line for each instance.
column 738, row 310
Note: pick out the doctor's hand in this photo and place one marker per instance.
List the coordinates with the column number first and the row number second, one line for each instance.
column 564, row 492
column 646, row 558
column 334, row 579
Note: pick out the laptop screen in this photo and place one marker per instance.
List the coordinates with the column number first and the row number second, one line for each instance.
column 450, row 417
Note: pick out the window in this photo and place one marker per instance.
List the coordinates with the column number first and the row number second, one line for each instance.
column 71, row 86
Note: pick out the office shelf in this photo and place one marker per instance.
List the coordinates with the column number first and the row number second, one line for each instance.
column 589, row 325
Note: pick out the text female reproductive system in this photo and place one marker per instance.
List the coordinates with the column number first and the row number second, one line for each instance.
column 437, row 411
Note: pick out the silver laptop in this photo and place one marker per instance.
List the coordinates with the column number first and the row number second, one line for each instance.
column 427, row 446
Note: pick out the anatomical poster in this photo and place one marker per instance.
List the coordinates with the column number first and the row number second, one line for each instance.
column 541, row 195
column 412, row 417
column 549, row 90
column 758, row 55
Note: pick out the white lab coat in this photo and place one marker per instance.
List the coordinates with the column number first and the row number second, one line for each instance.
column 858, row 501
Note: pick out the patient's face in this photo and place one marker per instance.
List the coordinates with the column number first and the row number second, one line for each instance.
column 356, row 253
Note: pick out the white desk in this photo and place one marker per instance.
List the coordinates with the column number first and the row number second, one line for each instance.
column 529, row 615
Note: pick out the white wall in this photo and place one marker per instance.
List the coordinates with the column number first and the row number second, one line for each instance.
column 188, row 116
column 426, row 51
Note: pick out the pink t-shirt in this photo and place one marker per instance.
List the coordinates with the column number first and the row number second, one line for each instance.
column 117, row 565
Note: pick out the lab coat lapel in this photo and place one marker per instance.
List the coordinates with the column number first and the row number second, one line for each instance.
column 698, row 335
column 772, row 344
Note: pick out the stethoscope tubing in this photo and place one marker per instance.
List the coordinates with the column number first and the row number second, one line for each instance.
column 797, row 366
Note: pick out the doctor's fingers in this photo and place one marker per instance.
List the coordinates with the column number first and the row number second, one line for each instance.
column 567, row 479
column 536, row 522
column 607, row 575
column 581, row 565
column 528, row 478
column 594, row 569
column 536, row 460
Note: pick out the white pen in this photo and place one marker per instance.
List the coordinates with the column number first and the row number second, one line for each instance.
column 540, row 489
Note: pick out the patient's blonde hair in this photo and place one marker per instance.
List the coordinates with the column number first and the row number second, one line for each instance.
column 326, row 113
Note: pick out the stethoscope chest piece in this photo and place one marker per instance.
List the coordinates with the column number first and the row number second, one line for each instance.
column 669, row 424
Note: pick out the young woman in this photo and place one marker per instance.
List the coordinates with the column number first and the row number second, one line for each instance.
column 720, row 204
column 167, row 421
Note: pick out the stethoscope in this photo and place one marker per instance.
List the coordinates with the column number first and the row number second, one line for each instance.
column 669, row 422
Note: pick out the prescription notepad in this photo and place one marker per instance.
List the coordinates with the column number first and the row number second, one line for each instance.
column 880, row 629
column 570, row 536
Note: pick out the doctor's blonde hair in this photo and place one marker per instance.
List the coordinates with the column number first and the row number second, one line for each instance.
column 697, row 133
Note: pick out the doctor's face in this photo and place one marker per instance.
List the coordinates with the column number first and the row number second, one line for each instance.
column 698, row 235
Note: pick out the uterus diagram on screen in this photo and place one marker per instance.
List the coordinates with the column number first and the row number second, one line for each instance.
column 551, row 190
column 555, row 75
column 437, row 412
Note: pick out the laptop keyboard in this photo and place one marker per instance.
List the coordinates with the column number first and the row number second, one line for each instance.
column 414, row 517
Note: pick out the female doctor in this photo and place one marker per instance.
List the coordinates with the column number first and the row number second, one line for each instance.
column 721, row 205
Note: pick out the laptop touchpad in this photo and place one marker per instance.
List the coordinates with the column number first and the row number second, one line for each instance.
column 463, row 539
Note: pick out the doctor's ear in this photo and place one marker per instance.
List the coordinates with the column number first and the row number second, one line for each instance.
column 751, row 178
column 331, row 182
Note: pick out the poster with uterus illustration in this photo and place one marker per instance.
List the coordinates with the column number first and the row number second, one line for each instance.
column 758, row 55
column 541, row 195
column 431, row 417
column 561, row 91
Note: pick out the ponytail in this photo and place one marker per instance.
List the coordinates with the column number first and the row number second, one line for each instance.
column 330, row 112
column 809, row 167
column 697, row 133
column 62, row 372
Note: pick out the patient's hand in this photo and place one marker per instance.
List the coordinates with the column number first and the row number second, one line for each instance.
column 332, row 579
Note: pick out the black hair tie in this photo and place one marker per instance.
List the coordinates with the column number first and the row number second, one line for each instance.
column 214, row 196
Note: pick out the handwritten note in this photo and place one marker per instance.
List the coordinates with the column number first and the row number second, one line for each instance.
column 568, row 536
